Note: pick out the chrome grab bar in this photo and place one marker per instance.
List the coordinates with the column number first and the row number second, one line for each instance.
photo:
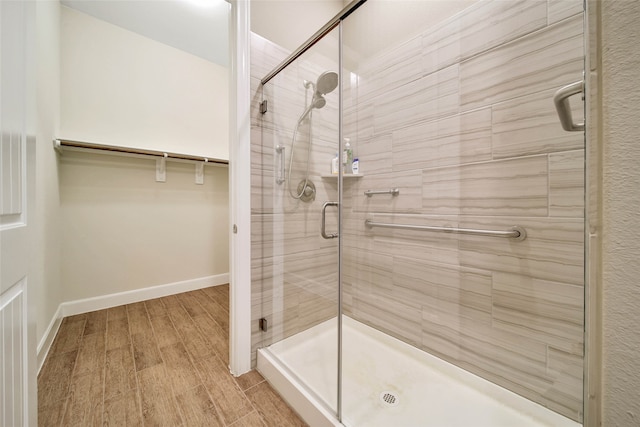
column 280, row 151
column 393, row 192
column 518, row 233
column 561, row 100
column 323, row 230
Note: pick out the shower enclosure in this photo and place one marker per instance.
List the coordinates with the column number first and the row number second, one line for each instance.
column 444, row 283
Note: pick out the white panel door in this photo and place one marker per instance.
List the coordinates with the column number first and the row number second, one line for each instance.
column 17, row 143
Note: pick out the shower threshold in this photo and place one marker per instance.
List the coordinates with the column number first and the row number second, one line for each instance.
column 387, row 382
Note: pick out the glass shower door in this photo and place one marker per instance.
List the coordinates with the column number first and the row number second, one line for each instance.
column 463, row 248
column 294, row 200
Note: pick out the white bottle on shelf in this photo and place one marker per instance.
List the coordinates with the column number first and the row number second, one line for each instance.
column 347, row 156
column 334, row 165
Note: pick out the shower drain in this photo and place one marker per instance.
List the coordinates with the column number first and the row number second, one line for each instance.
column 389, row 399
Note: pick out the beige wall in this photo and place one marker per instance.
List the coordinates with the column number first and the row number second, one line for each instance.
column 103, row 225
column 47, row 213
column 121, row 88
column 123, row 231
column 620, row 97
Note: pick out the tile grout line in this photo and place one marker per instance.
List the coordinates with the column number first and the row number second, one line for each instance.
column 135, row 371
column 162, row 356
column 216, row 357
column 75, row 365
column 104, row 366
column 219, row 360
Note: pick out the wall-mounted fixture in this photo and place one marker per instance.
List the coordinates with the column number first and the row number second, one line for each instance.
column 60, row 145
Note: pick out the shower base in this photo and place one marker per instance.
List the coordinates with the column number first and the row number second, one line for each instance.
column 388, row 383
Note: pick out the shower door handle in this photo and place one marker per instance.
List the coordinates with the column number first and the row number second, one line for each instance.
column 323, row 230
column 561, row 100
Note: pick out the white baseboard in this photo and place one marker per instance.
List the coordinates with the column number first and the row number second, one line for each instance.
column 47, row 339
column 80, row 306
column 70, row 308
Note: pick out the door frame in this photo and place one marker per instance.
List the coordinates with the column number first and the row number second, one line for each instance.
column 239, row 189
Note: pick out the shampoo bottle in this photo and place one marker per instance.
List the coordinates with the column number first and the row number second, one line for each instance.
column 355, row 166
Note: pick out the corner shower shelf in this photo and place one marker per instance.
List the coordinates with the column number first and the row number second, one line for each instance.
column 345, row 176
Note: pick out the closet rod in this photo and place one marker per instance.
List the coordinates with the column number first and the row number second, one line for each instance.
column 59, row 144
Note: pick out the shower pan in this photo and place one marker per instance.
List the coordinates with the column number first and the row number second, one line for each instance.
column 444, row 284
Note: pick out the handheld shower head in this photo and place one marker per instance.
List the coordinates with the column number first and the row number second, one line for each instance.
column 326, row 83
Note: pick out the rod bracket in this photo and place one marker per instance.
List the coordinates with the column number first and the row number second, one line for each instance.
column 200, row 172
column 57, row 145
column 161, row 169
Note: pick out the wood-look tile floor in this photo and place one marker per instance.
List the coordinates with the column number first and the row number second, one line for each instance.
column 161, row 362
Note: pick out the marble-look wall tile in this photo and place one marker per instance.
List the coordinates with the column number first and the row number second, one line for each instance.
column 567, row 365
column 314, row 271
column 368, row 270
column 566, row 184
column 505, row 368
column 562, row 9
column 375, row 154
column 550, row 312
column 508, row 187
column 280, row 307
column 480, row 27
column 265, row 55
column 519, row 363
column 285, row 106
column 396, row 318
column 553, row 249
column 263, row 173
column 450, row 141
column 389, row 70
column 408, row 200
column 465, row 291
column 358, row 121
column 420, row 245
column 529, row 125
column 281, row 234
column 545, row 59
column 295, row 291
column 430, row 97
column 565, row 396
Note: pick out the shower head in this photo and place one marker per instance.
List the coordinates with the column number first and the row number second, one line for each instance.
column 326, row 83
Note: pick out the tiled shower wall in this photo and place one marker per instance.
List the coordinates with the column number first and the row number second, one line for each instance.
column 460, row 118
column 294, row 274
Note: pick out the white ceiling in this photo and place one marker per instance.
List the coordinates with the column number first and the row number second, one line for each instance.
column 199, row 27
